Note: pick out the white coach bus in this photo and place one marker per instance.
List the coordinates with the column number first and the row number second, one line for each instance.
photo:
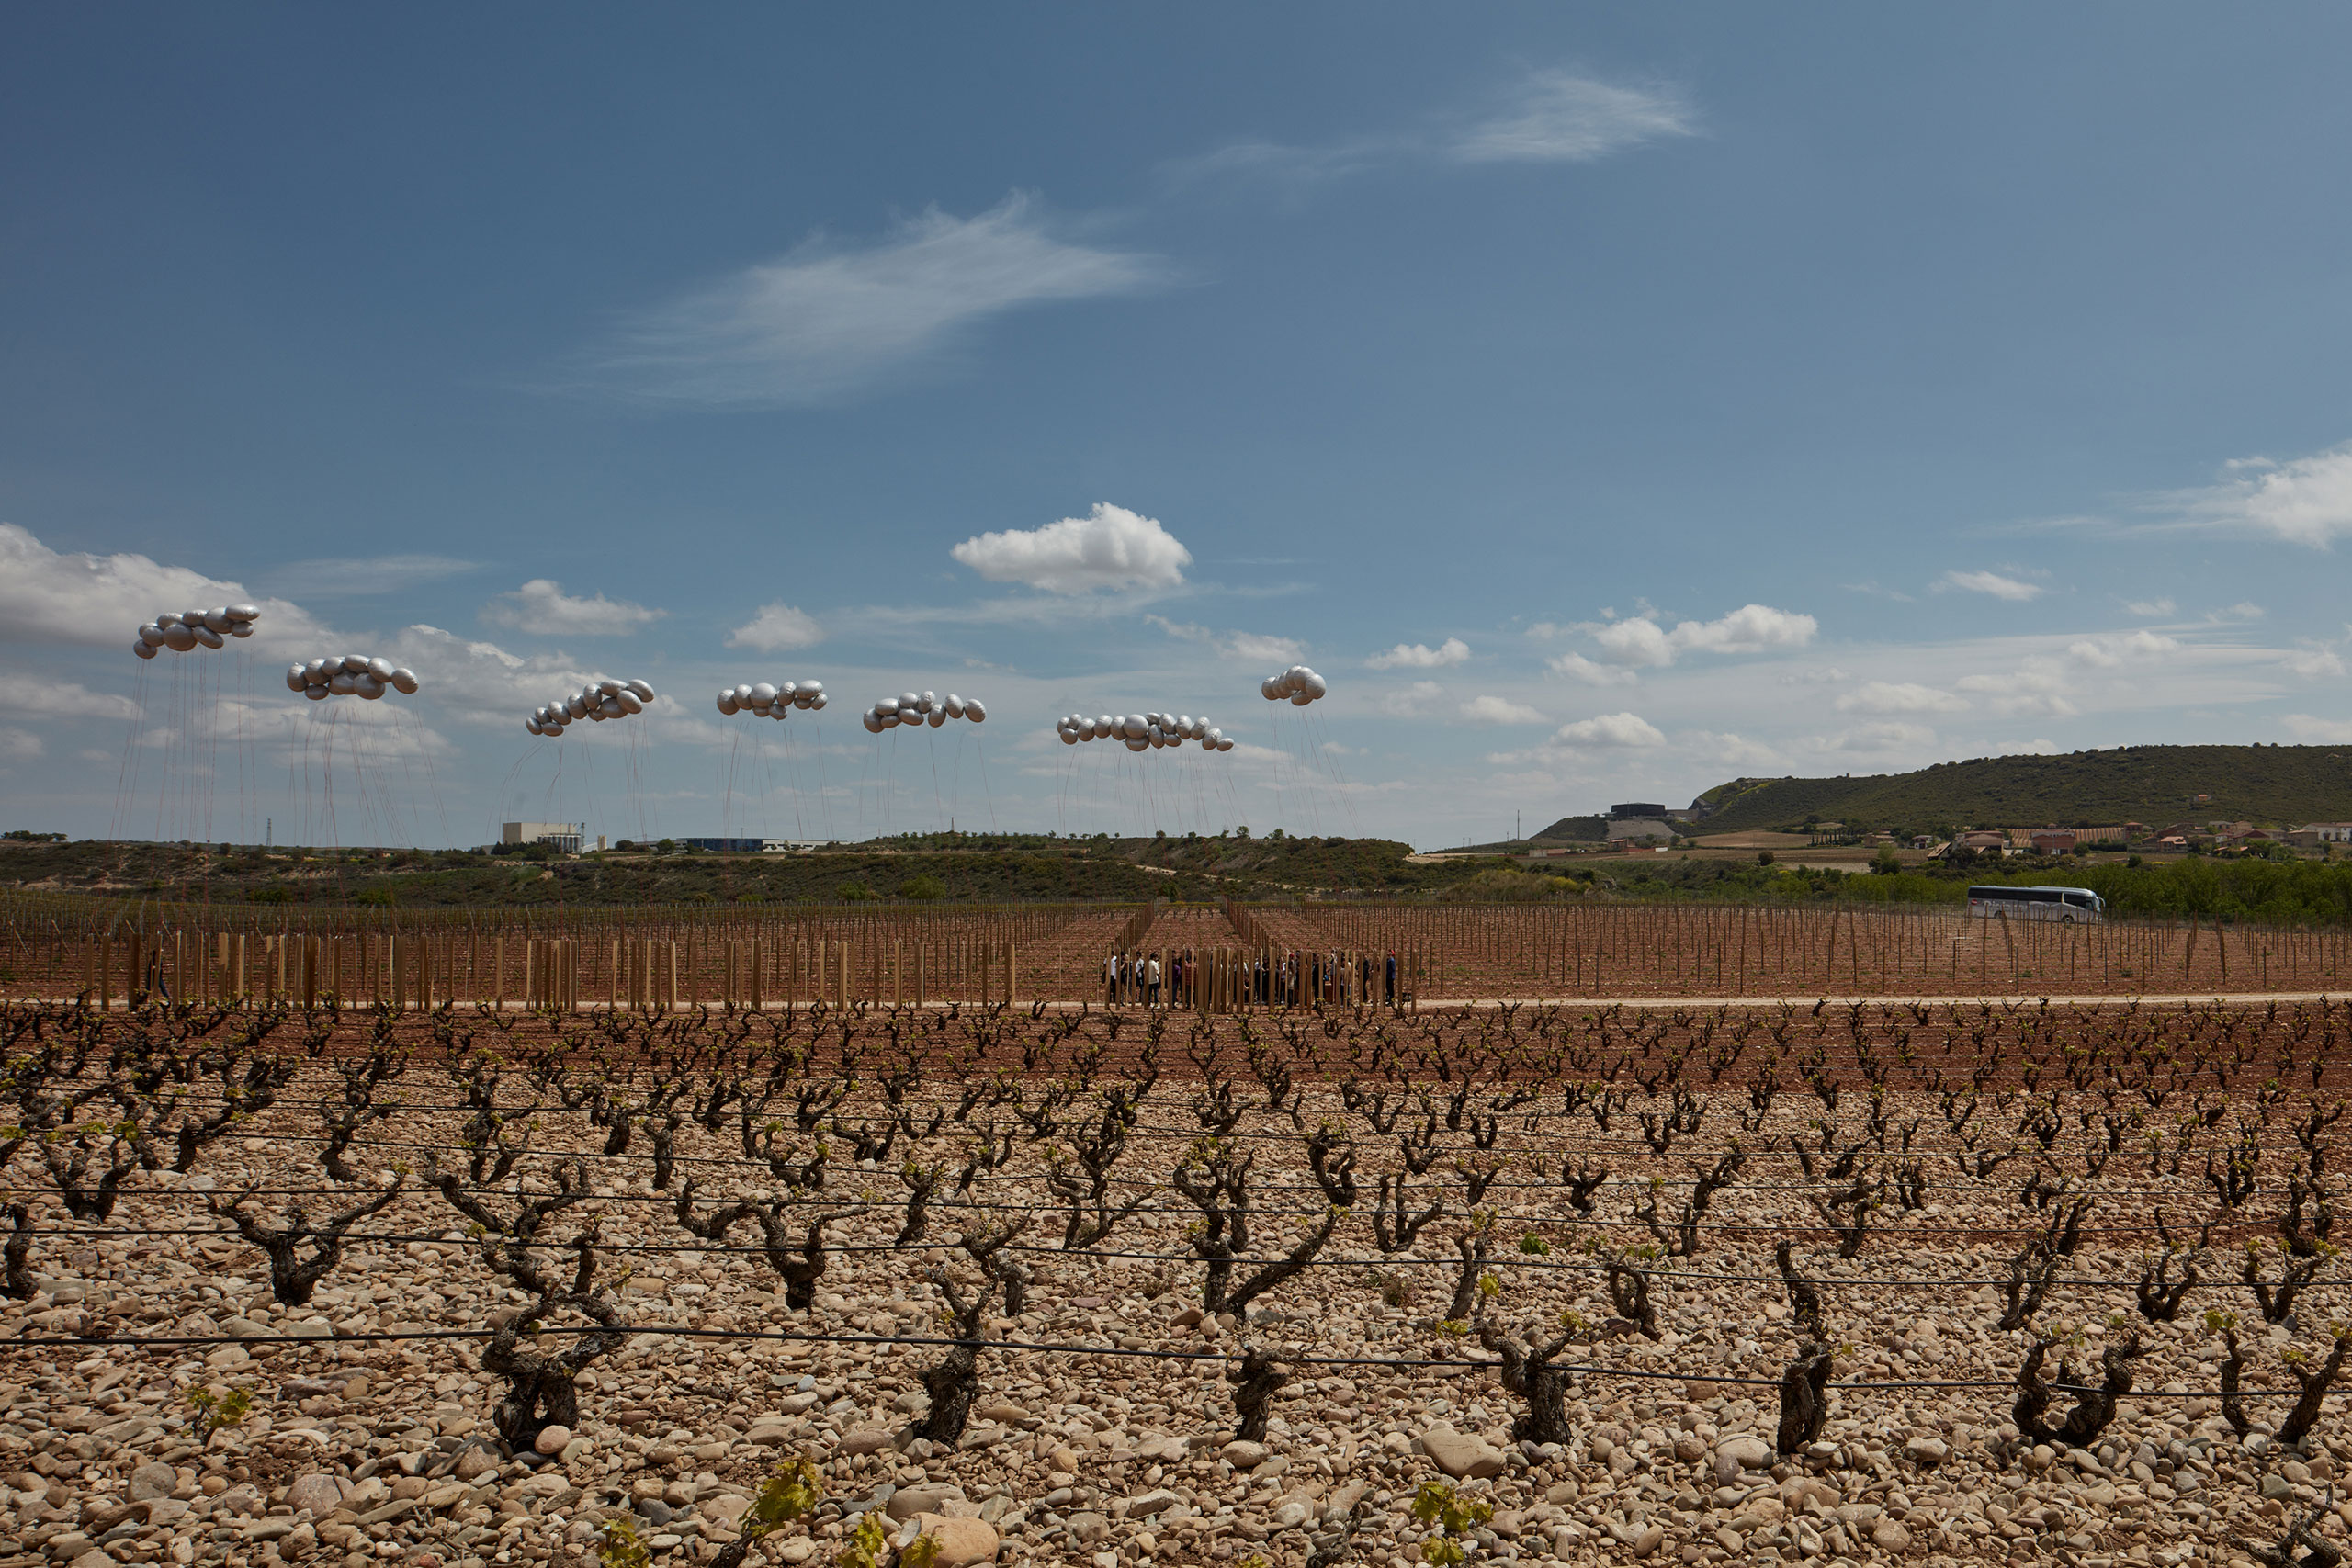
column 2066, row 905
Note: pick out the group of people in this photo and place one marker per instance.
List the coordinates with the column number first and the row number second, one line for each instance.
column 1290, row 978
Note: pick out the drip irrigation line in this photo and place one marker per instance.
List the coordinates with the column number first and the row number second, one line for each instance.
column 1391, row 1363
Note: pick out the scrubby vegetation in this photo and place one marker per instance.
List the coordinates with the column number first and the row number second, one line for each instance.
column 988, row 868
column 2264, row 784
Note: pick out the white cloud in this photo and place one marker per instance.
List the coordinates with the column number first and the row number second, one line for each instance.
column 1899, row 696
column 2036, row 687
column 2025, row 747
column 1413, row 700
column 2151, row 609
column 1637, row 641
column 1489, row 709
column 1751, row 629
column 2016, row 590
column 776, row 628
column 2305, row 501
column 37, row 696
column 1729, row 751
column 1877, row 589
column 1577, row 667
column 1421, row 656
column 1548, row 116
column 2314, row 661
column 1558, row 117
column 101, row 601
column 826, row 321
column 1252, row 647
column 19, row 745
column 2113, row 652
column 1889, row 734
column 340, row 578
column 1109, row 548
column 1263, row 649
column 542, row 608
column 2318, row 731
column 1610, row 729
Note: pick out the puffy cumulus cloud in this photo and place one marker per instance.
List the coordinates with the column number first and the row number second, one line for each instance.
column 2114, row 652
column 1751, row 629
column 1109, row 548
column 2314, row 662
column 1578, row 668
column 2149, row 609
column 1421, row 656
column 2036, row 747
column 2313, row 730
column 1624, row 729
column 1902, row 696
column 30, row 695
column 2016, row 589
column 1411, row 701
column 827, row 322
column 1638, row 640
column 776, row 628
column 91, row 601
column 1489, row 709
column 542, row 608
column 2304, row 500
column 477, row 679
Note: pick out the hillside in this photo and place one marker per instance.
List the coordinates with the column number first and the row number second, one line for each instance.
column 1577, row 830
column 2270, row 785
column 952, row 868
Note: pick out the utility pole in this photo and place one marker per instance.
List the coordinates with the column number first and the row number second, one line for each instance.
column 269, row 827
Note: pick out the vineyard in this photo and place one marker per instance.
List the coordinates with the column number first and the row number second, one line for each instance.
column 654, row 959
column 1877, row 1280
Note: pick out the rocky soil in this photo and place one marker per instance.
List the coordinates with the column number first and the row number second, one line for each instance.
column 367, row 1438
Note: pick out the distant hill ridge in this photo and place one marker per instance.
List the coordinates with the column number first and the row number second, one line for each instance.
column 2268, row 785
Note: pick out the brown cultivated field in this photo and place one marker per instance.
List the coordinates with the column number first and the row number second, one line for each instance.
column 1876, row 1281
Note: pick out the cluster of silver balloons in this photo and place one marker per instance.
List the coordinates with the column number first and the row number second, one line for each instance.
column 181, row 631
column 1144, row 731
column 773, row 702
column 350, row 675
column 1299, row 684
column 923, row 707
column 598, row 700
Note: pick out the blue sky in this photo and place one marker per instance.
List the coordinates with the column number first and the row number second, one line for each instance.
column 1608, row 402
